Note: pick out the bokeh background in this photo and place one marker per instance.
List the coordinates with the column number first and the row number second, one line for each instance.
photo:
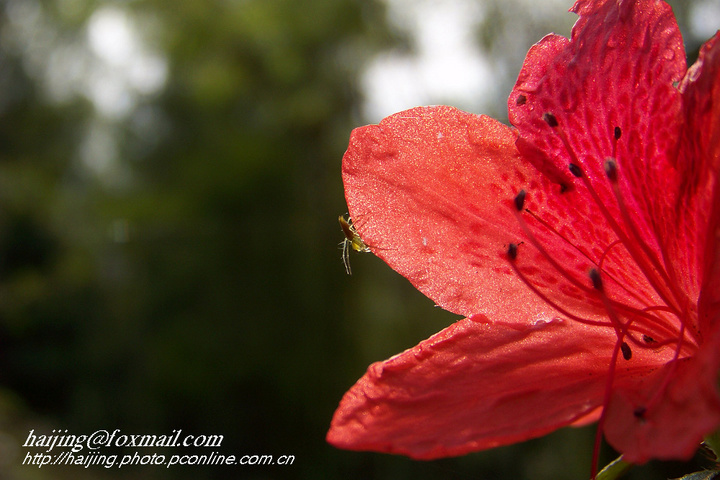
column 169, row 189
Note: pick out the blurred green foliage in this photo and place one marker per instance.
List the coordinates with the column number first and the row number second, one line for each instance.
column 174, row 265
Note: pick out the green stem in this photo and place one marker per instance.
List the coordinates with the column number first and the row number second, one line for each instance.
column 614, row 469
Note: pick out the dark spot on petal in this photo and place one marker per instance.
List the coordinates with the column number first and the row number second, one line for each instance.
column 611, row 169
column 639, row 412
column 512, row 251
column 617, row 133
column 521, row 100
column 627, row 353
column 550, row 119
column 596, row 280
column 575, row 170
column 520, row 200
column 648, row 339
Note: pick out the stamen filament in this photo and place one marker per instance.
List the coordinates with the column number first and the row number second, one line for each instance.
column 640, row 260
column 627, row 309
column 603, row 414
column 668, row 324
column 512, row 254
column 544, row 298
column 669, row 375
column 652, row 258
column 630, row 246
column 620, row 346
column 623, row 307
column 531, row 237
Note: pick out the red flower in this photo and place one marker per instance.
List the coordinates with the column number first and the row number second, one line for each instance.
column 583, row 247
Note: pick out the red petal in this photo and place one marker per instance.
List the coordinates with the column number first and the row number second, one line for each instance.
column 698, row 209
column 477, row 385
column 687, row 409
column 429, row 192
column 618, row 70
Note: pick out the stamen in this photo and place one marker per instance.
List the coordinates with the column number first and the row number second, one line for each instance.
column 512, row 251
column 603, row 415
column 512, row 255
column 550, row 119
column 611, row 170
column 611, row 306
column 620, row 327
column 632, row 246
column 641, row 260
column 626, row 309
column 542, row 250
column 596, row 280
column 617, row 133
column 575, row 170
column 620, row 345
column 650, row 327
column 639, row 412
column 662, row 285
column 671, row 370
column 659, row 325
column 626, row 351
column 647, row 328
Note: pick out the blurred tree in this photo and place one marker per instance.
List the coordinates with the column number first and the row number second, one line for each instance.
column 186, row 287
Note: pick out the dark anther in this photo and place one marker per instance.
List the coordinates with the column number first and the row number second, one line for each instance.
column 575, row 170
column 611, row 169
column 618, row 133
column 639, row 412
column 520, row 200
column 521, row 99
column 512, row 251
column 596, row 280
column 648, row 339
column 550, row 119
column 627, row 353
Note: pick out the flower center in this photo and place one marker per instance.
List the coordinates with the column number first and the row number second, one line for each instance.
column 656, row 315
